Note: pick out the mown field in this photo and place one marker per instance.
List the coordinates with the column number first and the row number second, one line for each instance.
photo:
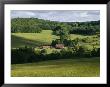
column 76, row 67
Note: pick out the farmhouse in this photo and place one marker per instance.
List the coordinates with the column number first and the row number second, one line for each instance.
column 44, row 47
column 59, row 46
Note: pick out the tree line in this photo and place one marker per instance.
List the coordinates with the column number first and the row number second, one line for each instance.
column 35, row 25
column 29, row 55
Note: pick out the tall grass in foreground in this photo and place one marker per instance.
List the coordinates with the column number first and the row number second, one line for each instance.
column 82, row 67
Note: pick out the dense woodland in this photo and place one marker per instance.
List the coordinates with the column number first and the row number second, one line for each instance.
column 35, row 25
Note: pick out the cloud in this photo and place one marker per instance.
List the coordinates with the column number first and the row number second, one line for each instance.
column 59, row 15
column 23, row 14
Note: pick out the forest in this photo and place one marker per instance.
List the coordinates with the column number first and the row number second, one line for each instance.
column 35, row 25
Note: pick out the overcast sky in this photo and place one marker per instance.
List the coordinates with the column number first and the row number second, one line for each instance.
column 62, row 16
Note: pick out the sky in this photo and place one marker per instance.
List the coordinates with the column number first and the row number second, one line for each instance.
column 59, row 15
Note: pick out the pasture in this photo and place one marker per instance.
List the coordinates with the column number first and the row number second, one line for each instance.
column 46, row 37
column 76, row 67
column 69, row 67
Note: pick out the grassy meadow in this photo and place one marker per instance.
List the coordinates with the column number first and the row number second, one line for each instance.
column 76, row 67
column 46, row 37
column 32, row 39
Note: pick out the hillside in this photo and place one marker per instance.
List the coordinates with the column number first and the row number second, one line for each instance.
column 46, row 37
column 35, row 25
column 76, row 67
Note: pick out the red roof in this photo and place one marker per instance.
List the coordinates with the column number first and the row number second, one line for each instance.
column 59, row 45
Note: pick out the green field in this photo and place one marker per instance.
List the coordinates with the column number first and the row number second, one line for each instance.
column 32, row 39
column 72, row 67
column 45, row 38
column 85, row 67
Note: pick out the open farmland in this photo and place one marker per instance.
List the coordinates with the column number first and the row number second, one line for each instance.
column 32, row 39
column 45, row 38
column 76, row 67
column 45, row 48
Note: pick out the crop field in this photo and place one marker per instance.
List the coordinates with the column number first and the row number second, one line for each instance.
column 76, row 67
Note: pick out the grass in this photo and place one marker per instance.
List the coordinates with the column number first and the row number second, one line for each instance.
column 76, row 67
column 45, row 38
column 32, row 39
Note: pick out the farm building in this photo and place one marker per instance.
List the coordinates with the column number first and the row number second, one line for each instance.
column 44, row 47
column 59, row 46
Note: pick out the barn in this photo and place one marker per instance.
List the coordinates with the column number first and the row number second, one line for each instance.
column 59, row 46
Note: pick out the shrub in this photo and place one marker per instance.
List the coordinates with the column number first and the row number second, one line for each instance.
column 54, row 42
column 55, row 54
column 95, row 52
column 44, row 51
column 22, row 55
column 69, row 43
column 80, row 50
column 26, row 55
column 87, row 53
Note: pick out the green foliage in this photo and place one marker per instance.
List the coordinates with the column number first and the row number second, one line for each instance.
column 25, row 25
column 54, row 42
column 29, row 34
column 85, row 28
column 35, row 25
column 55, row 55
column 26, row 54
column 46, row 38
column 22, row 55
column 44, row 51
column 62, row 31
column 80, row 50
column 75, row 67
column 68, row 43
column 30, row 25
column 25, row 30
column 95, row 52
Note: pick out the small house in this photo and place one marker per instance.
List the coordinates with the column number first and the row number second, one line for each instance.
column 44, row 47
column 59, row 46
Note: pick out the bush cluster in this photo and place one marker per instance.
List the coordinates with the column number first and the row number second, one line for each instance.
column 68, row 43
column 27, row 55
